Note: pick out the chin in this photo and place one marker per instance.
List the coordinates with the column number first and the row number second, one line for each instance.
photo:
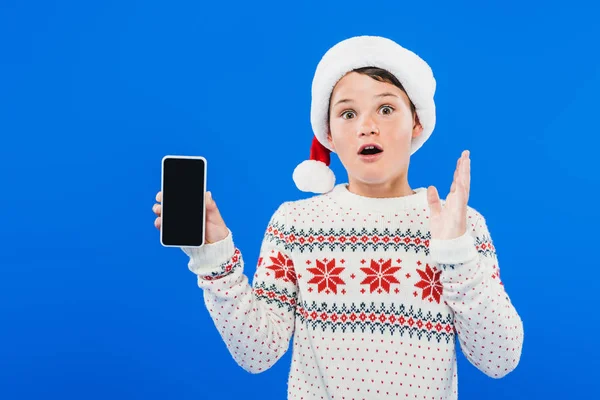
column 372, row 179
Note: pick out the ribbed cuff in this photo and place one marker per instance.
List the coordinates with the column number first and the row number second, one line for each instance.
column 209, row 258
column 453, row 251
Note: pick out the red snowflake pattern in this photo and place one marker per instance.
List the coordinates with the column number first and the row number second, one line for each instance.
column 430, row 283
column 380, row 275
column 283, row 267
column 326, row 276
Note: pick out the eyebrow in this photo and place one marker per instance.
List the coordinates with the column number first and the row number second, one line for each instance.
column 385, row 94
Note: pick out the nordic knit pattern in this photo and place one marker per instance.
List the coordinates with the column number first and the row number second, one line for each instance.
column 374, row 305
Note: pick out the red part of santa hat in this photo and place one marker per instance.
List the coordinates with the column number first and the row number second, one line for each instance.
column 319, row 152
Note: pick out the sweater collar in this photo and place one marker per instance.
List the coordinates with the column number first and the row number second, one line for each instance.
column 346, row 199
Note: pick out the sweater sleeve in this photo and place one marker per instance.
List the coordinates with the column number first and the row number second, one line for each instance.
column 489, row 329
column 255, row 321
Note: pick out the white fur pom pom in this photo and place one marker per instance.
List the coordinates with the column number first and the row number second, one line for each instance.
column 314, row 176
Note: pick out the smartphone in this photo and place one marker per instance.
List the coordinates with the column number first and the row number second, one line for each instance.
column 183, row 216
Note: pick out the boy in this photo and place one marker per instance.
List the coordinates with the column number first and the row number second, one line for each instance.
column 375, row 280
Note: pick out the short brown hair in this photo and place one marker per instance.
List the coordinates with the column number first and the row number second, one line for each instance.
column 380, row 75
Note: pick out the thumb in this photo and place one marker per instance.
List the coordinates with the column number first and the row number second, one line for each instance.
column 211, row 205
column 212, row 211
column 435, row 205
column 209, row 202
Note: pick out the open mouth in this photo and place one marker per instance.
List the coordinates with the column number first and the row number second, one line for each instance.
column 370, row 149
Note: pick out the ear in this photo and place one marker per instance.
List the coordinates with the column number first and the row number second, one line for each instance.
column 330, row 140
column 417, row 128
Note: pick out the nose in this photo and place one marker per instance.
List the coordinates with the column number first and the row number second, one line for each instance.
column 368, row 127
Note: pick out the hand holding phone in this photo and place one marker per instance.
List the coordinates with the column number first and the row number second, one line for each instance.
column 187, row 216
column 216, row 230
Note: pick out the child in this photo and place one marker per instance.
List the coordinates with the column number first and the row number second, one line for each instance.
column 375, row 280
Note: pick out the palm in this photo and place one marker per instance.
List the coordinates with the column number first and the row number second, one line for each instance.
column 449, row 221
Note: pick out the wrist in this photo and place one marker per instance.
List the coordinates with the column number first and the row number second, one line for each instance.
column 210, row 256
column 218, row 236
column 458, row 250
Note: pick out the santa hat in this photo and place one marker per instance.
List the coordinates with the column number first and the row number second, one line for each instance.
column 415, row 75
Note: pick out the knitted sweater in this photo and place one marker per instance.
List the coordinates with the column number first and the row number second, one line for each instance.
column 374, row 304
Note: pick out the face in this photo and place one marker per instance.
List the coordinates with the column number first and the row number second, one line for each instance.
column 371, row 129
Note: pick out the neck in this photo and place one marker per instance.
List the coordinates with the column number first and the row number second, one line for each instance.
column 396, row 188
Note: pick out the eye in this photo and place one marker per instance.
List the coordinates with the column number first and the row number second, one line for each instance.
column 348, row 114
column 387, row 110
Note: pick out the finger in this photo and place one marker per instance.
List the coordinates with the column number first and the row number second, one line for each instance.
column 456, row 172
column 433, row 198
column 457, row 168
column 464, row 173
column 467, row 177
column 157, row 223
column 459, row 192
column 159, row 196
column 157, row 208
column 213, row 214
column 209, row 201
column 461, row 187
column 456, row 176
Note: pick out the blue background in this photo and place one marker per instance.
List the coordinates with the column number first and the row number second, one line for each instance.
column 93, row 94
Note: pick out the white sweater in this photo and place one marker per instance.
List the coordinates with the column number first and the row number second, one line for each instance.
column 375, row 306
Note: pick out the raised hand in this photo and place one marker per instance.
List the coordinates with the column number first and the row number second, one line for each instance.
column 450, row 220
column 216, row 230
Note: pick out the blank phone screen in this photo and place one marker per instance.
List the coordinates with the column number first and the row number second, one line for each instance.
column 183, row 201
